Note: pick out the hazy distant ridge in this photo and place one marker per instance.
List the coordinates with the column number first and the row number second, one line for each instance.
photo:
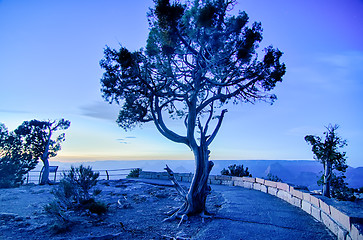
column 298, row 172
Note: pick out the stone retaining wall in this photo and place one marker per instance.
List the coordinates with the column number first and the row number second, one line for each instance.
column 338, row 222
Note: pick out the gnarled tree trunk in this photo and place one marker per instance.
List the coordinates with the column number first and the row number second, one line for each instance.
column 195, row 198
column 199, row 188
column 45, row 174
column 327, row 179
column 45, row 159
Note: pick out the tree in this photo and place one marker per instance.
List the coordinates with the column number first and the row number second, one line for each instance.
column 37, row 137
column 197, row 59
column 15, row 161
column 327, row 152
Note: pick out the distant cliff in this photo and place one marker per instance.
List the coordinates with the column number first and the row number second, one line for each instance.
column 299, row 172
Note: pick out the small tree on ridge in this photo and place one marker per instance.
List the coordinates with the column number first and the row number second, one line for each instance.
column 37, row 137
column 327, row 152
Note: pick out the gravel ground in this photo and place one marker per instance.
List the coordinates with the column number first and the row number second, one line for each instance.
column 138, row 215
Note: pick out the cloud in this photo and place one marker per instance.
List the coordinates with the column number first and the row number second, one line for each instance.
column 341, row 71
column 100, row 110
column 124, row 140
column 329, row 73
column 12, row 111
column 304, row 130
column 347, row 60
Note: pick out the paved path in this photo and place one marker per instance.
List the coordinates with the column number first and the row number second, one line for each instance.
column 248, row 214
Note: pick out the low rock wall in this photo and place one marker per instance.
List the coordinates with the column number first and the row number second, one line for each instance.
column 341, row 224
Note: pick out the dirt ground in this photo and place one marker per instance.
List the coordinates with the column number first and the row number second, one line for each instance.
column 135, row 211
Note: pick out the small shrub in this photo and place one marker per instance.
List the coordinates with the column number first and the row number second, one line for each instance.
column 61, row 221
column 72, row 193
column 66, row 193
column 238, row 171
column 273, row 178
column 346, row 194
column 134, row 173
column 339, row 188
column 76, row 184
column 84, row 179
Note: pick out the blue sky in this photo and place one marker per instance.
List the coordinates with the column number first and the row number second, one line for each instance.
column 49, row 68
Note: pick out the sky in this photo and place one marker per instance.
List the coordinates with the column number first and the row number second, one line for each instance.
column 49, row 69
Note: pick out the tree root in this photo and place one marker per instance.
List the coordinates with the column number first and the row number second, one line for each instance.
column 183, row 218
column 205, row 215
column 171, row 212
column 178, row 213
column 184, row 211
column 173, row 238
column 177, row 186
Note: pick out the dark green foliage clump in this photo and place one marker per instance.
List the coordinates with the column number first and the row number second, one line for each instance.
column 13, row 170
column 273, row 178
column 15, row 159
column 359, row 190
column 196, row 52
column 94, row 206
column 134, row 173
column 339, row 188
column 236, row 170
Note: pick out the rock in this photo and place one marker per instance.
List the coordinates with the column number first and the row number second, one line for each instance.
column 182, row 236
column 138, row 198
column 40, row 191
column 126, row 206
column 36, row 226
column 161, row 195
column 103, row 237
column 8, row 216
column 18, row 219
column 22, row 224
column 83, row 214
column 123, row 204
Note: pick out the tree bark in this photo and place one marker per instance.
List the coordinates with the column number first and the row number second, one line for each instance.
column 327, row 179
column 45, row 159
column 199, row 188
column 195, row 198
column 45, row 175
